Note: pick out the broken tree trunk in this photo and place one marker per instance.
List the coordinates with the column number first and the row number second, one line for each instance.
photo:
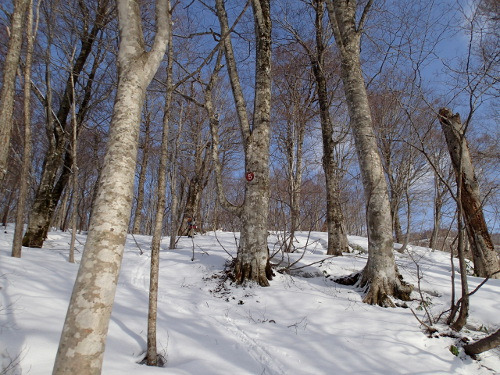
column 486, row 261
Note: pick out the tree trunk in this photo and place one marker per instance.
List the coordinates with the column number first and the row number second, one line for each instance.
column 486, row 343
column 57, row 164
column 25, row 171
column 142, row 179
column 152, row 357
column 9, row 81
column 252, row 261
column 81, row 347
column 196, row 186
column 337, row 236
column 438, row 205
column 486, row 261
column 74, row 176
column 380, row 277
column 174, row 214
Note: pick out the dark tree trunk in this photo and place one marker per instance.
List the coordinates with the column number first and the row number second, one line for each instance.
column 486, row 343
column 57, row 164
column 136, row 229
column 337, row 236
column 486, row 261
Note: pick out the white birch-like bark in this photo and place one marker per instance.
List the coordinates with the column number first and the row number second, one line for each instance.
column 83, row 338
column 152, row 358
column 9, row 81
column 380, row 276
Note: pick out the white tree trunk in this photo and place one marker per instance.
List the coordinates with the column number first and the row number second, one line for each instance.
column 81, row 347
column 379, row 277
column 152, row 358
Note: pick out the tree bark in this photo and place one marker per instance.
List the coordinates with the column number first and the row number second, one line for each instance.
column 380, row 277
column 9, row 81
column 81, row 347
column 438, row 205
column 136, row 229
column 196, row 186
column 486, row 343
column 252, row 261
column 486, row 261
column 152, row 357
column 174, row 214
column 337, row 236
column 23, row 189
column 57, row 164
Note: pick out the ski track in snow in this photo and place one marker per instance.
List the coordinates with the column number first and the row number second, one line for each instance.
column 139, row 279
column 140, row 274
column 257, row 350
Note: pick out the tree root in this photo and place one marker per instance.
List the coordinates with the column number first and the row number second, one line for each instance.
column 248, row 272
column 379, row 291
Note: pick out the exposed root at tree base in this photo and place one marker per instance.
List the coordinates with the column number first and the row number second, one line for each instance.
column 160, row 361
column 379, row 291
column 351, row 279
column 246, row 272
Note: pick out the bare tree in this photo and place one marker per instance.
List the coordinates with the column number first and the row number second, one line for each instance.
column 82, row 343
column 152, row 357
column 293, row 111
column 9, row 81
column 252, row 263
column 380, row 276
column 23, row 190
column 143, row 167
column 57, row 162
column 321, row 62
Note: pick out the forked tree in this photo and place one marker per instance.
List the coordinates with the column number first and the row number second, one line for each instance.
column 252, row 262
column 380, row 276
column 83, row 338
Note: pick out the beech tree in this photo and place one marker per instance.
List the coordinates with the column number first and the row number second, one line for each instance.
column 152, row 357
column 252, row 262
column 380, row 277
column 83, row 337
column 9, row 81
column 23, row 189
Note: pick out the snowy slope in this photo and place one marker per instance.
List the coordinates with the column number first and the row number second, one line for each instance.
column 302, row 324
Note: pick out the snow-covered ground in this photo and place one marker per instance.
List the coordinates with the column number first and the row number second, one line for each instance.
column 302, row 324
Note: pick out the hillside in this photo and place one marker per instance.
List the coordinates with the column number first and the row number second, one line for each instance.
column 303, row 324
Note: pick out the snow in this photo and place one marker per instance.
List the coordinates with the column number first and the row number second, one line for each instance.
column 304, row 324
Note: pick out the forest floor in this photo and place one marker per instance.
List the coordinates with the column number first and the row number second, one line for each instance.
column 303, row 324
